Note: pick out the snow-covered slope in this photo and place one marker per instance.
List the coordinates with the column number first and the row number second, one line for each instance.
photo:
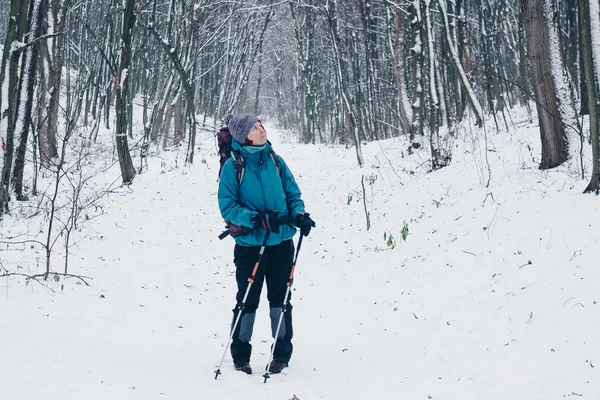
column 493, row 294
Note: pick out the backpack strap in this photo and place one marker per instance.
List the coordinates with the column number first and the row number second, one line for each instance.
column 275, row 159
column 277, row 163
column 239, row 164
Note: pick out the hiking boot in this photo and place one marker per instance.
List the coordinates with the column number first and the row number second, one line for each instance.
column 277, row 366
column 245, row 367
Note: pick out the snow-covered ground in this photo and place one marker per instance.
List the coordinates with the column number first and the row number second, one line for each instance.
column 493, row 295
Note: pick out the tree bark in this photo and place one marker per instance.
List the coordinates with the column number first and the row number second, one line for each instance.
column 10, row 62
column 28, row 73
column 123, row 96
column 552, row 132
column 341, row 74
column 404, row 108
column 591, row 68
column 47, row 133
column 463, row 75
column 187, row 89
column 304, row 30
column 418, row 92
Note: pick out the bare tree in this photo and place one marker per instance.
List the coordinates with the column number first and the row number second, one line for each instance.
column 404, row 108
column 336, row 71
column 591, row 64
column 418, row 89
column 304, row 20
column 342, row 77
column 123, row 95
column 457, row 64
column 184, row 71
column 9, row 100
column 52, row 60
column 27, row 84
column 554, row 139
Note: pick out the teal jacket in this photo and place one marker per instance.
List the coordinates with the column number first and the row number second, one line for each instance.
column 261, row 189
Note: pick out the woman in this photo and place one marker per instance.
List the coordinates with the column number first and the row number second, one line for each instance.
column 259, row 200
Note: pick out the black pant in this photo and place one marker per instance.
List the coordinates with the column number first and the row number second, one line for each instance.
column 275, row 267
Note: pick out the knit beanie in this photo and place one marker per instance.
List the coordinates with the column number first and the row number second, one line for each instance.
column 239, row 125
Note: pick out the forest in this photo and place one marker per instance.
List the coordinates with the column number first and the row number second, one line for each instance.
column 338, row 72
column 448, row 152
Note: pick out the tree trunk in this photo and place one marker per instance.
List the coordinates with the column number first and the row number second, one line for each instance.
column 28, row 73
column 159, row 109
column 591, row 65
column 437, row 158
column 418, row 92
column 188, row 91
column 341, row 74
column 10, row 62
column 258, row 79
column 48, row 131
column 463, row 75
column 404, row 108
column 464, row 56
column 304, row 29
column 553, row 136
column 123, row 96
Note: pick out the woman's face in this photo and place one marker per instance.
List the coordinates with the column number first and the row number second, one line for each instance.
column 257, row 134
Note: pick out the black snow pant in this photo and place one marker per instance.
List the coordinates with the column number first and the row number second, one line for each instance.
column 275, row 267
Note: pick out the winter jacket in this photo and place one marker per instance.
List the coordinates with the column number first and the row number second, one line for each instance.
column 261, row 189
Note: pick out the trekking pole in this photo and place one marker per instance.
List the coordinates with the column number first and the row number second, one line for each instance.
column 243, row 303
column 285, row 299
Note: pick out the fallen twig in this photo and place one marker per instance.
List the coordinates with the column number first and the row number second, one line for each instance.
column 45, row 276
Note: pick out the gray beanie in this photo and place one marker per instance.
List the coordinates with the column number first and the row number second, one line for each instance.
column 239, row 125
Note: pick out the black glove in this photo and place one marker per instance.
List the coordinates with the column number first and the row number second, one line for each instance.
column 267, row 220
column 305, row 223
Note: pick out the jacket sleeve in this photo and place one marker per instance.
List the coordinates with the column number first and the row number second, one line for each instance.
column 229, row 205
column 292, row 191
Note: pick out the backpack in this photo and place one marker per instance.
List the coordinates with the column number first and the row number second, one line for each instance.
column 226, row 151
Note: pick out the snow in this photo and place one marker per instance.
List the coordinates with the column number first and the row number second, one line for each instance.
column 124, row 73
column 493, row 295
column 16, row 46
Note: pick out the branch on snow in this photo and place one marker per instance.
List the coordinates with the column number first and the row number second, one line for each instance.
column 44, row 276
